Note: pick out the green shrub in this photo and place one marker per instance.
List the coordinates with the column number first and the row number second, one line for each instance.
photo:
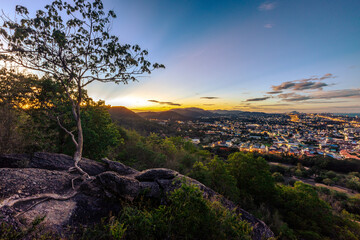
column 187, row 216
column 278, row 177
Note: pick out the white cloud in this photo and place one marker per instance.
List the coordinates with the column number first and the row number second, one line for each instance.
column 267, row 6
column 268, row 25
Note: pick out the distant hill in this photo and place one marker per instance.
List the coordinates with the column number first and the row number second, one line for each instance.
column 184, row 114
column 166, row 115
column 227, row 112
column 130, row 120
column 122, row 113
column 193, row 112
column 179, row 114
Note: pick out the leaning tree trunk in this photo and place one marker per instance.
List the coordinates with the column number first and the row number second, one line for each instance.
column 80, row 143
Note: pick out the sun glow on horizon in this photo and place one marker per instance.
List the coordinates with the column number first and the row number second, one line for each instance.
column 129, row 102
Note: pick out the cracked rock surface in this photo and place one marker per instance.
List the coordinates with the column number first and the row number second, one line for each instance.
column 24, row 176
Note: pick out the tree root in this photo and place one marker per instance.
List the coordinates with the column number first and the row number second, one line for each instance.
column 11, row 201
column 29, row 208
column 83, row 177
column 80, row 170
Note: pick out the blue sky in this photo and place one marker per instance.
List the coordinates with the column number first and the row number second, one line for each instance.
column 272, row 56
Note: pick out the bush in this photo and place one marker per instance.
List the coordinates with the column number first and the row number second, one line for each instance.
column 187, row 216
column 305, row 212
column 328, row 181
column 252, row 175
column 278, row 177
column 111, row 229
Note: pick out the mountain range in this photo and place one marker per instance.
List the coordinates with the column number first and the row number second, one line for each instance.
column 140, row 121
column 130, row 120
column 179, row 114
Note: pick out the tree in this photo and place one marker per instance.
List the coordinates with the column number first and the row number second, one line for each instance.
column 252, row 175
column 304, row 211
column 29, row 103
column 25, row 96
column 71, row 43
column 101, row 135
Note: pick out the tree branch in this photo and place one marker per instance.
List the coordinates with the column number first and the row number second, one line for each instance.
column 67, row 131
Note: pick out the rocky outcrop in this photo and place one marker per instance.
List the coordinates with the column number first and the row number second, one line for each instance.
column 46, row 175
column 50, row 161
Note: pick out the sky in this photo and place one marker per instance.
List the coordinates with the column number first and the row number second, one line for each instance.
column 269, row 56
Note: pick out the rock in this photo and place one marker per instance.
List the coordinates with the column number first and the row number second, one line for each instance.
column 57, row 214
column 91, row 209
column 150, row 189
column 24, row 175
column 50, row 161
column 119, row 167
column 87, row 206
column 6, row 216
column 30, row 181
column 156, row 173
column 14, row 160
column 120, row 186
column 15, row 184
column 260, row 229
column 53, row 161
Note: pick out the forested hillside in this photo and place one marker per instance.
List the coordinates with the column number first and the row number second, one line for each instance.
column 297, row 211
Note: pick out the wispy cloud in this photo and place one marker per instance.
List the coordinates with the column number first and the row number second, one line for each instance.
column 208, row 104
column 293, row 97
column 309, row 85
column 343, row 93
column 299, row 86
column 347, row 107
column 316, row 78
column 269, row 25
column 328, row 75
column 257, row 99
column 284, row 85
column 267, row 6
column 312, row 83
column 274, row 92
column 164, row 103
column 209, row 98
column 275, row 105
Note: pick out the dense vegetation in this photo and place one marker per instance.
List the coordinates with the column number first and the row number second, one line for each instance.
column 293, row 211
column 186, row 216
column 318, row 162
column 38, row 113
column 326, row 170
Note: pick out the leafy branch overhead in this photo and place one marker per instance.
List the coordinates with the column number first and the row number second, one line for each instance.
column 70, row 42
column 73, row 46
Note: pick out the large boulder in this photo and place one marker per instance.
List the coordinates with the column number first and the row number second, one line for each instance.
column 46, row 176
column 121, row 186
column 50, row 161
column 156, row 173
column 119, row 167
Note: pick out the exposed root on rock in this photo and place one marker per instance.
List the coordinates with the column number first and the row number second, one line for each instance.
column 84, row 179
column 29, row 208
column 79, row 169
column 11, row 201
column 15, row 199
